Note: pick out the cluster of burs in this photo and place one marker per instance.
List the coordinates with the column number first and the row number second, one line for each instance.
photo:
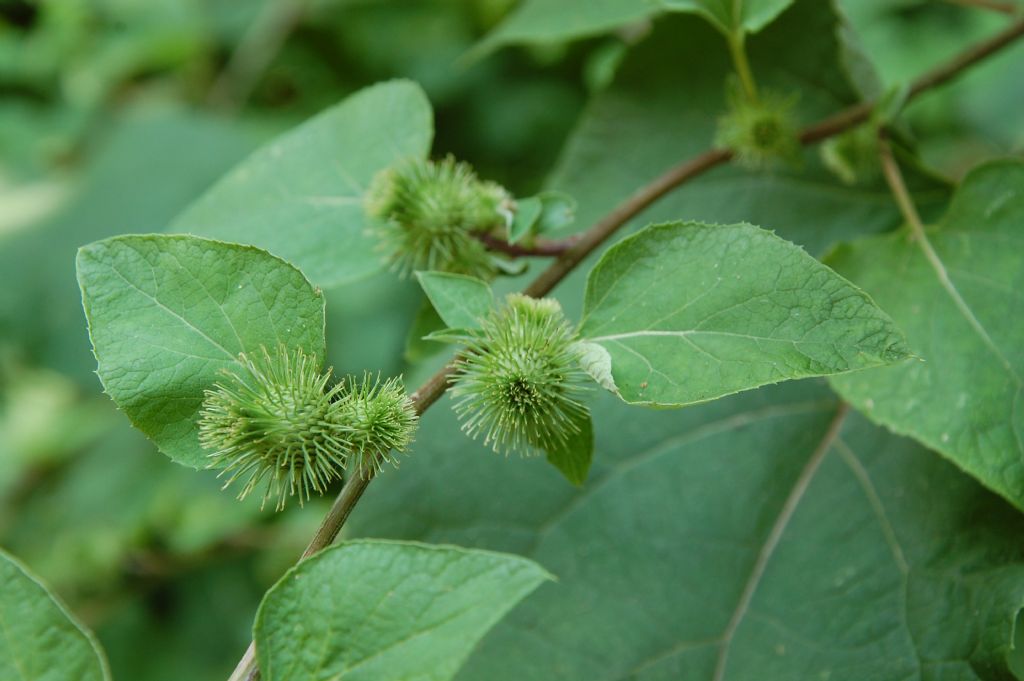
column 279, row 424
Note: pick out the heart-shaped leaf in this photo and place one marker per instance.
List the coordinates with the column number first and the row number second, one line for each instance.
column 167, row 313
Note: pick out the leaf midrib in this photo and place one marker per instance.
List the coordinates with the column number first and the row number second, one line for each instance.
column 697, row 434
column 171, row 312
column 771, row 541
column 941, row 273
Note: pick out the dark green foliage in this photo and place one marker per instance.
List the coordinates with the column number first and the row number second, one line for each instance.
column 775, row 534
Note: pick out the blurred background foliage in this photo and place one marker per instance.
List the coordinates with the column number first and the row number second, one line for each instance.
column 114, row 114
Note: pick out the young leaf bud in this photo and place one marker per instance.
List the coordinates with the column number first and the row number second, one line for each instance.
column 379, row 419
column 760, row 132
column 428, row 215
column 274, row 420
column 518, row 380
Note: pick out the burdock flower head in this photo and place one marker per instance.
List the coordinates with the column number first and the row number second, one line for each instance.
column 274, row 420
column 429, row 215
column 518, row 381
column 760, row 132
column 379, row 419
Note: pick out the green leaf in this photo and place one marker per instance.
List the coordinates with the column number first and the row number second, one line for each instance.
column 301, row 196
column 962, row 316
column 762, row 536
column 386, row 611
column 461, row 301
column 167, row 313
column 733, row 16
column 547, row 21
column 691, row 312
column 527, row 213
column 548, row 211
column 575, row 457
column 41, row 640
column 805, row 204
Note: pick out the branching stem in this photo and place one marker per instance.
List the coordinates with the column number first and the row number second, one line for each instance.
column 540, row 247
column 591, row 239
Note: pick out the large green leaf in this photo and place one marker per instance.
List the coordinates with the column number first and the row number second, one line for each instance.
column 167, row 313
column 761, row 536
column 690, row 312
column 39, row 639
column 301, row 196
column 386, row 611
column 964, row 316
column 613, row 152
column 543, row 21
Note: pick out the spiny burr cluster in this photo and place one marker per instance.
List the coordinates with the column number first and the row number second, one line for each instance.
column 274, row 420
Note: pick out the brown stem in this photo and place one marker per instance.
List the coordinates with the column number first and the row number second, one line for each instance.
column 539, row 248
column 591, row 239
column 991, row 5
column 627, row 210
column 853, row 116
